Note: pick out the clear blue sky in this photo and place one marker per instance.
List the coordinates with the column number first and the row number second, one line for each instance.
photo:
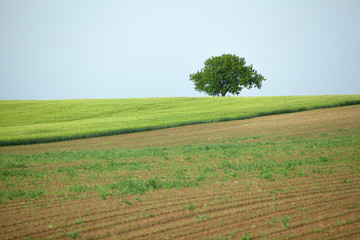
column 66, row 49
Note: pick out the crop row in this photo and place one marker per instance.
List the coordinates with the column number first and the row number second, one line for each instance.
column 225, row 206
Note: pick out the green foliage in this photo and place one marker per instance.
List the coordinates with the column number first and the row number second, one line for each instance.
column 26, row 122
column 320, row 230
column 139, row 186
column 284, row 221
column 127, row 202
column 247, row 237
column 189, row 206
column 79, row 188
column 20, row 194
column 103, row 192
column 72, row 235
column 226, row 74
column 201, row 218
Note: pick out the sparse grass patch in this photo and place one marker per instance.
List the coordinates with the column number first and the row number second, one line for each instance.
column 72, row 235
column 79, row 188
column 351, row 220
column 201, row 218
column 285, row 221
column 247, row 237
column 320, row 230
column 189, row 206
column 20, row 194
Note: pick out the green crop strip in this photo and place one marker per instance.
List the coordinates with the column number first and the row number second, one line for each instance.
column 126, row 172
column 28, row 122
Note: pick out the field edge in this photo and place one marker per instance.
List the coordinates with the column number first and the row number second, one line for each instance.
column 144, row 129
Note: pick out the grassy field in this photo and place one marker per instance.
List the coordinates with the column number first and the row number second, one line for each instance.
column 293, row 176
column 26, row 122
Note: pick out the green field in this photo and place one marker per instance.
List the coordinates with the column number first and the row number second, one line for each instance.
column 25, row 122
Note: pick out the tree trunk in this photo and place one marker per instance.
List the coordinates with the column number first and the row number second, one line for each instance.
column 223, row 94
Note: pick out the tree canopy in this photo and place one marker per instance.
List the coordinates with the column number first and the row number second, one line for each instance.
column 226, row 74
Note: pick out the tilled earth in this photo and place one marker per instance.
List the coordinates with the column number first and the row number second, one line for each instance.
column 309, row 208
column 316, row 206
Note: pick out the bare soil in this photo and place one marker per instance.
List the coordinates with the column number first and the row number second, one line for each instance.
column 224, row 210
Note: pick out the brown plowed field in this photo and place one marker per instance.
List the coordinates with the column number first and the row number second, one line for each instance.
column 230, row 210
column 323, row 202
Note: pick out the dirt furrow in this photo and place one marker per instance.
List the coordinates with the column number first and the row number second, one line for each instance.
column 246, row 222
column 131, row 211
column 319, row 227
column 213, row 209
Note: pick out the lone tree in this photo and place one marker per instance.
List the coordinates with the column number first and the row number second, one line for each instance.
column 226, row 74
